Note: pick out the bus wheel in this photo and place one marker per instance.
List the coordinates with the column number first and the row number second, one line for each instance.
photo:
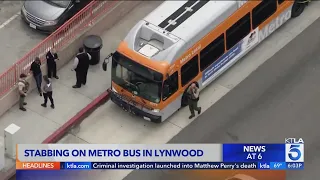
column 297, row 9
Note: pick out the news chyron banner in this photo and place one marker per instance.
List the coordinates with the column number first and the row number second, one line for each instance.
column 76, row 161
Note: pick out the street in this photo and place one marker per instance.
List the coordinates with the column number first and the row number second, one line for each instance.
column 17, row 38
column 280, row 99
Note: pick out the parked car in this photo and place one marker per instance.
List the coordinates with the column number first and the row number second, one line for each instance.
column 49, row 15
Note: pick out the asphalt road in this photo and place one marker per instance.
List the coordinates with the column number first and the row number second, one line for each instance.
column 17, row 39
column 280, row 99
column 9, row 9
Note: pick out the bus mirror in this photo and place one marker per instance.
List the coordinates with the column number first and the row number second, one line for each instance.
column 104, row 65
column 106, row 61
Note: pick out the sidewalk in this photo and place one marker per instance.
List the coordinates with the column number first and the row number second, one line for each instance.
column 37, row 123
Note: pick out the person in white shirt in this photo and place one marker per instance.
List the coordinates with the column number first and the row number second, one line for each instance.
column 81, row 65
column 193, row 98
column 47, row 91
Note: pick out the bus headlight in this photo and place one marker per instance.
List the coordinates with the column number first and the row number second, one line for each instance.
column 156, row 110
column 114, row 90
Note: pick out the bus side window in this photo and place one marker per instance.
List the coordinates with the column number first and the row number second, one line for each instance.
column 212, row 52
column 170, row 86
column 238, row 31
column 280, row 1
column 262, row 12
column 189, row 70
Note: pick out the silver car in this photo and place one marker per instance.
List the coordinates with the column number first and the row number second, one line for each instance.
column 49, row 15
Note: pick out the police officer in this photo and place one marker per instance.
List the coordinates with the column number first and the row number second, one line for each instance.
column 193, row 98
column 23, row 87
column 81, row 66
column 52, row 57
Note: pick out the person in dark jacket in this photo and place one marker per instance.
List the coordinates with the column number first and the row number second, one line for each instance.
column 193, row 98
column 37, row 74
column 52, row 57
column 81, row 65
column 47, row 91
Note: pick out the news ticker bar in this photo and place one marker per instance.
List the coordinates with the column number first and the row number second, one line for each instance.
column 158, row 165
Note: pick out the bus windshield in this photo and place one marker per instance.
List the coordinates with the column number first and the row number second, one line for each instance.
column 135, row 78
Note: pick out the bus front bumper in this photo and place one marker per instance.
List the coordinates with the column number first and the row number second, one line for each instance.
column 134, row 110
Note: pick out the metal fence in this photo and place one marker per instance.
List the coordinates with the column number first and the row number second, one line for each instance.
column 59, row 39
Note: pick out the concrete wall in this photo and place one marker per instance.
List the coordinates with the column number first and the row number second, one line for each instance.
column 66, row 54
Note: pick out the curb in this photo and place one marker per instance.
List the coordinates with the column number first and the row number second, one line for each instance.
column 78, row 118
column 74, row 121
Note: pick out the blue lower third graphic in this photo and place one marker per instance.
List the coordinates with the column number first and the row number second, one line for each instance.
column 75, row 165
column 295, row 166
column 174, row 165
column 263, row 165
column 278, row 165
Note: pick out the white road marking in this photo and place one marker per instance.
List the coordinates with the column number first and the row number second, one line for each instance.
column 9, row 20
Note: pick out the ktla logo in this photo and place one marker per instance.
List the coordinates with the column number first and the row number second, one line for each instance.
column 294, row 152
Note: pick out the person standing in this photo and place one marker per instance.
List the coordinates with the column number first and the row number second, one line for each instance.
column 81, row 65
column 47, row 91
column 23, row 87
column 193, row 98
column 37, row 74
column 52, row 57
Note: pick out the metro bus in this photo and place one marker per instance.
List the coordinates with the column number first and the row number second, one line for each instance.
column 181, row 42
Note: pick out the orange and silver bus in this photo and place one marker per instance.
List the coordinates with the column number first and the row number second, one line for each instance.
column 184, row 42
